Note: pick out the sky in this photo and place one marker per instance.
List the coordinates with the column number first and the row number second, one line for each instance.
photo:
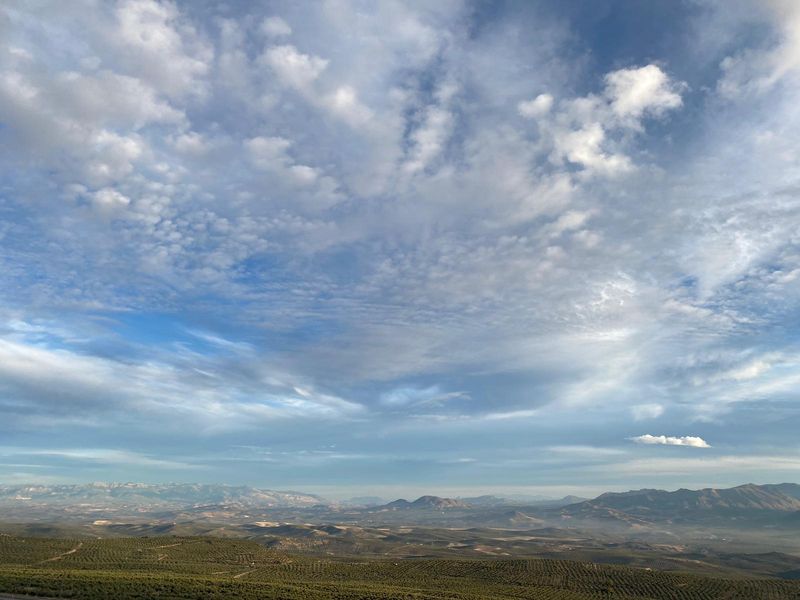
column 400, row 247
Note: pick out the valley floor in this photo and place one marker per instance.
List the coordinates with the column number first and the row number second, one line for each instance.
column 201, row 568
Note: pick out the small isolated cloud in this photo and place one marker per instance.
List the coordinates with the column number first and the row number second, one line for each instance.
column 666, row 440
column 633, row 93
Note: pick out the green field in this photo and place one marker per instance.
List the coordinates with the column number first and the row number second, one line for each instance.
column 170, row 567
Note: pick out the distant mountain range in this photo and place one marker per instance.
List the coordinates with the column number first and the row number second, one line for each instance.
column 169, row 494
column 743, row 506
column 191, row 495
column 478, row 502
column 747, row 502
column 776, row 505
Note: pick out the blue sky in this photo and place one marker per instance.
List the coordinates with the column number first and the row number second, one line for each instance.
column 400, row 247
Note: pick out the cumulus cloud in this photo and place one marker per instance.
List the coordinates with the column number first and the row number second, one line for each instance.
column 635, row 93
column 665, row 440
column 155, row 42
column 301, row 72
column 537, row 107
column 275, row 26
column 294, row 68
column 579, row 130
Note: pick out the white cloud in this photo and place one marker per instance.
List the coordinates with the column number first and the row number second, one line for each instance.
column 294, row 68
column 749, row 371
column 585, row 147
column 301, row 72
column 430, row 137
column 109, row 199
column 271, row 155
column 105, row 97
column 568, row 221
column 268, row 152
column 155, row 43
column 275, row 26
column 500, row 168
column 538, row 107
column 65, row 386
column 191, row 143
column 639, row 92
column 85, row 125
column 344, row 103
column 114, row 157
column 578, row 130
column 663, row 440
column 756, row 70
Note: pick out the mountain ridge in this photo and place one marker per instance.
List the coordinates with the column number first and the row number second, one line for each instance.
column 426, row 502
column 748, row 502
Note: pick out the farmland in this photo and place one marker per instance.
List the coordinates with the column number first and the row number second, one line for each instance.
column 202, row 567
